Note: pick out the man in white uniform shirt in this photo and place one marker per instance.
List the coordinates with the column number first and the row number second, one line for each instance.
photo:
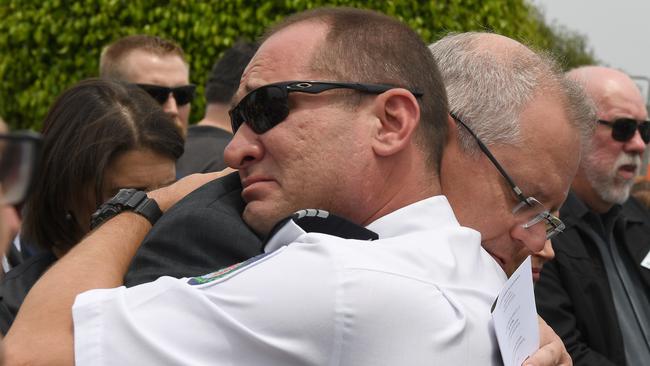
column 314, row 127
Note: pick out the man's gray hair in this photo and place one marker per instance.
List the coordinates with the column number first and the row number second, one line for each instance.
column 488, row 90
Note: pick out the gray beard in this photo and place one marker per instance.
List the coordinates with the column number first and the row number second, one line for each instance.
column 608, row 186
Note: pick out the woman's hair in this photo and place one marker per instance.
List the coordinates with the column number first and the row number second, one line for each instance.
column 85, row 129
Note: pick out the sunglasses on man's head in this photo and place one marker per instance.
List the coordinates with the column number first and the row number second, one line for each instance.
column 267, row 106
column 623, row 129
column 182, row 94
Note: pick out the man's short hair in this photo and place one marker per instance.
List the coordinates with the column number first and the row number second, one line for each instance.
column 226, row 73
column 369, row 47
column 110, row 62
column 489, row 91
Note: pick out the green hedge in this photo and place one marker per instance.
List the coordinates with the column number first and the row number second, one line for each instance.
column 46, row 46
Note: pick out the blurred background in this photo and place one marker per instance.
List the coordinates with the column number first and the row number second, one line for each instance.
column 615, row 33
column 48, row 45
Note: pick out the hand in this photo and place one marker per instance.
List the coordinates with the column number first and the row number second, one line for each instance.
column 551, row 349
column 166, row 197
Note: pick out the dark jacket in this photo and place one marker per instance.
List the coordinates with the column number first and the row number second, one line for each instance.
column 573, row 293
column 200, row 234
column 17, row 283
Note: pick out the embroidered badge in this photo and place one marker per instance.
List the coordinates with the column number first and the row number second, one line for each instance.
column 224, row 272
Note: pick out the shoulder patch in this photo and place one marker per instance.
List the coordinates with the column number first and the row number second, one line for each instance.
column 229, row 271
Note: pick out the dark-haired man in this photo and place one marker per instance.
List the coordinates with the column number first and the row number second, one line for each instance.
column 307, row 115
column 596, row 293
column 207, row 139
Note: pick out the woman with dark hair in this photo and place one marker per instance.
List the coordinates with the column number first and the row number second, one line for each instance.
column 98, row 137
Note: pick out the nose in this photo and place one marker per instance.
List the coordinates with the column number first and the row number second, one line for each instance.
column 635, row 144
column 170, row 107
column 244, row 149
column 533, row 237
column 547, row 253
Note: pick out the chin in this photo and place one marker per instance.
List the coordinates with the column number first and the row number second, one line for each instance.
column 261, row 221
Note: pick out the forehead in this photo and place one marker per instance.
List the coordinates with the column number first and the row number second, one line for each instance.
column 141, row 168
column 548, row 158
column 284, row 56
column 620, row 98
column 143, row 67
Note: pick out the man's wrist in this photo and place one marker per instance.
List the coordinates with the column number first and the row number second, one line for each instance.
column 160, row 196
column 127, row 200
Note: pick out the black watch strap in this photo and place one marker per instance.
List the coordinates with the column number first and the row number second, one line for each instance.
column 127, row 199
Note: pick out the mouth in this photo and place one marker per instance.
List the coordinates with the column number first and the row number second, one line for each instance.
column 627, row 171
column 249, row 181
column 253, row 187
column 536, row 273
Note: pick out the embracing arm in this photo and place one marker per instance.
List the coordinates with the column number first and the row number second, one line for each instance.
column 42, row 333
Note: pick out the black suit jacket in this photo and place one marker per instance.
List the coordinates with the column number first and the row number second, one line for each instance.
column 17, row 283
column 202, row 233
column 573, row 293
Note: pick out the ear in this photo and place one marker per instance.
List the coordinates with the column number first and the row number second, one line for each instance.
column 452, row 132
column 398, row 113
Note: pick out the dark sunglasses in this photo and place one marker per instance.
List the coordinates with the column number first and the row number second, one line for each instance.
column 267, row 106
column 19, row 153
column 623, row 129
column 182, row 94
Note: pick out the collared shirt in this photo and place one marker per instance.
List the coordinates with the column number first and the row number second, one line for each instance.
column 419, row 295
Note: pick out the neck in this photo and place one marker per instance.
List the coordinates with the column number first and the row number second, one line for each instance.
column 587, row 194
column 412, row 181
column 216, row 115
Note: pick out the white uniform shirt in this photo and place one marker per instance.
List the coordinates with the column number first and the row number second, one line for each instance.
column 420, row 295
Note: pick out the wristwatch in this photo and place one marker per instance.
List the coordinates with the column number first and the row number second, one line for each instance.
column 127, row 199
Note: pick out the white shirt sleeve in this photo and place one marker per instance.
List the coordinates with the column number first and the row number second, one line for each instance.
column 259, row 314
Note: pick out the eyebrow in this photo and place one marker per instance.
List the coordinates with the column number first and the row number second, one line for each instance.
column 536, row 191
column 239, row 96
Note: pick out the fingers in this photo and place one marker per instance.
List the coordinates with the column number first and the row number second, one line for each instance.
column 551, row 351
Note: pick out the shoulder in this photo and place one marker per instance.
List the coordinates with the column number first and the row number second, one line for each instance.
column 17, row 282
column 30, row 270
column 213, row 194
column 197, row 133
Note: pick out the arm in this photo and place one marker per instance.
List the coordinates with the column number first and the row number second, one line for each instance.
column 100, row 260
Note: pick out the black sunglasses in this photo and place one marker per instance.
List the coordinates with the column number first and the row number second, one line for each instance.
column 267, row 106
column 623, row 129
column 19, row 154
column 182, row 94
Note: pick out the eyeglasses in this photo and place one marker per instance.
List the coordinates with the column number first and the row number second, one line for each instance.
column 182, row 94
column 529, row 210
column 267, row 106
column 623, row 129
column 18, row 158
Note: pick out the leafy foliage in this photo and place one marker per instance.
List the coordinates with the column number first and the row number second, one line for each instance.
column 48, row 45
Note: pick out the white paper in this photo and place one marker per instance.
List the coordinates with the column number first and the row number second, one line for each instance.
column 515, row 317
column 646, row 261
